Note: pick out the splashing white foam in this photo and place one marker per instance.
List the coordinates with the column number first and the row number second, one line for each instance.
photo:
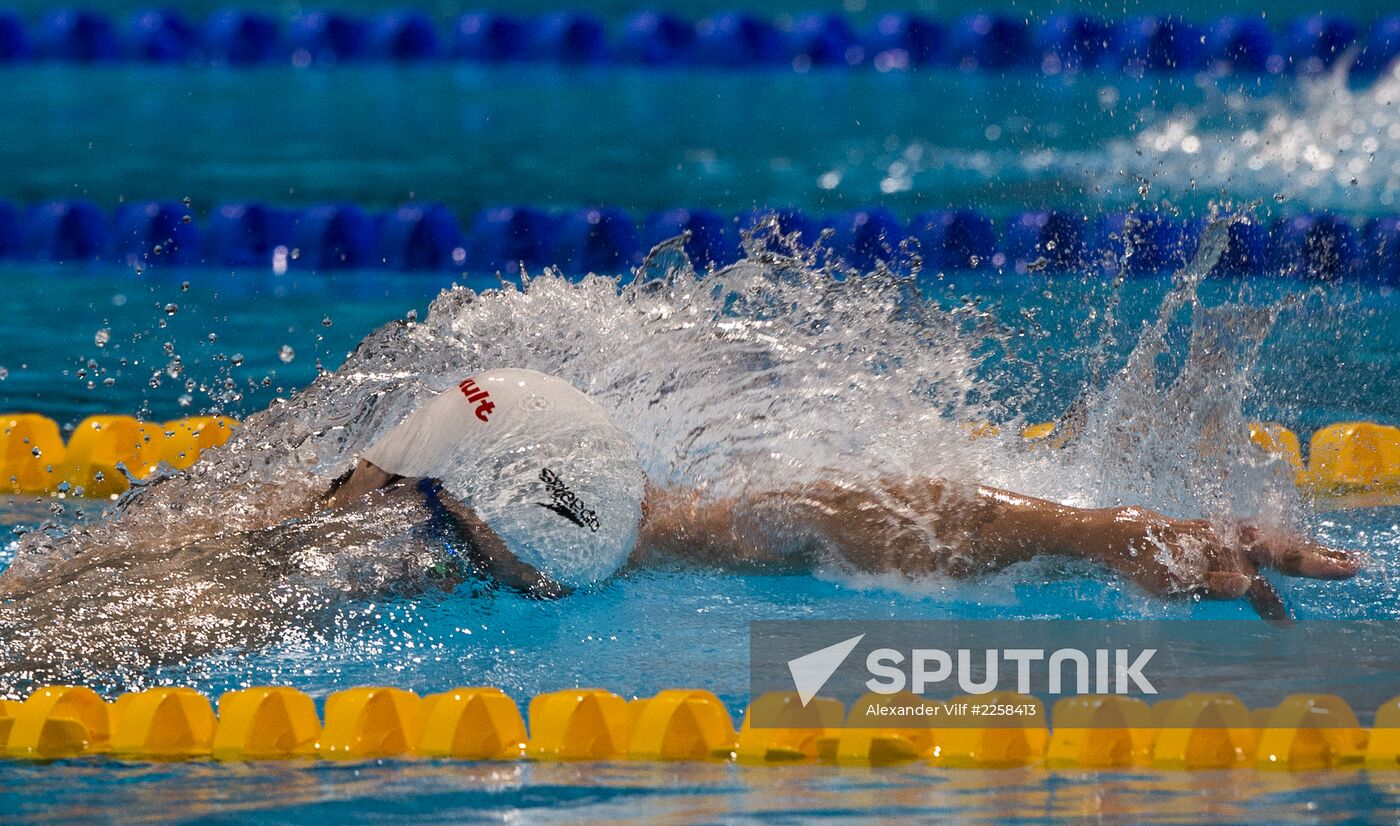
column 1323, row 142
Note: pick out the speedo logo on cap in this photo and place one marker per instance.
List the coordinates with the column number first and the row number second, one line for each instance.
column 479, row 397
column 566, row 504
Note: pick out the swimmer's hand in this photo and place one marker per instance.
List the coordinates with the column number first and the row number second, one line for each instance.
column 1184, row 558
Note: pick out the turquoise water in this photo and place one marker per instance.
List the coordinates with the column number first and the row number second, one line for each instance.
column 644, row 140
column 471, row 136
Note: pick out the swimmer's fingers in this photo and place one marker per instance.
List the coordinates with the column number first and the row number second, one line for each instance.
column 1256, row 590
column 1296, row 556
column 1264, row 599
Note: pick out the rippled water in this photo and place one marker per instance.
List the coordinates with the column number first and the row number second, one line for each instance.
column 430, row 792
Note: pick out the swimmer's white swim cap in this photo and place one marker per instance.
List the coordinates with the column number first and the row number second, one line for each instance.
column 539, row 462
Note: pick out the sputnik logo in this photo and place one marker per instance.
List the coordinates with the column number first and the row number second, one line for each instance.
column 811, row 671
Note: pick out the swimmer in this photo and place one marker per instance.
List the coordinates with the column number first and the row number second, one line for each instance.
column 515, row 479
column 546, row 495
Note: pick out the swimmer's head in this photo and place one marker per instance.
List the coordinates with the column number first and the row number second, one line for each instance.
column 541, row 464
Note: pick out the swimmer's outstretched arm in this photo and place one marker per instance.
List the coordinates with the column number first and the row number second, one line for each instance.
column 925, row 526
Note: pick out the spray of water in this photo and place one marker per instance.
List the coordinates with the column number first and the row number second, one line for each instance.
column 1177, row 438
column 783, row 368
column 1328, row 144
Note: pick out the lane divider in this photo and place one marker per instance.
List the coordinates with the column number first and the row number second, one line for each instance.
column 1350, row 464
column 35, row 460
column 265, row 724
column 166, row 724
column 428, row 237
column 979, row 41
column 1200, row 731
column 1347, row 461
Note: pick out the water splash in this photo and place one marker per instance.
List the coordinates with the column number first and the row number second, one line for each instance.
column 784, row 368
column 1326, row 144
column 1177, row 438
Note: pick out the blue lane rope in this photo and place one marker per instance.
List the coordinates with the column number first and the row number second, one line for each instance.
column 976, row 42
column 420, row 237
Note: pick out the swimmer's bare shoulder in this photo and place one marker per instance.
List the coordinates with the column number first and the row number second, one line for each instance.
column 364, row 478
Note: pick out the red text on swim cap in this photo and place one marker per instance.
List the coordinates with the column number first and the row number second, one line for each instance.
column 478, row 397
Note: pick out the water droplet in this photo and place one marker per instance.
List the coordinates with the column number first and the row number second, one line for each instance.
column 101, row 337
column 286, row 354
column 185, row 400
column 213, row 337
column 171, row 309
column 108, row 382
column 37, row 452
column 236, row 359
column 326, row 322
